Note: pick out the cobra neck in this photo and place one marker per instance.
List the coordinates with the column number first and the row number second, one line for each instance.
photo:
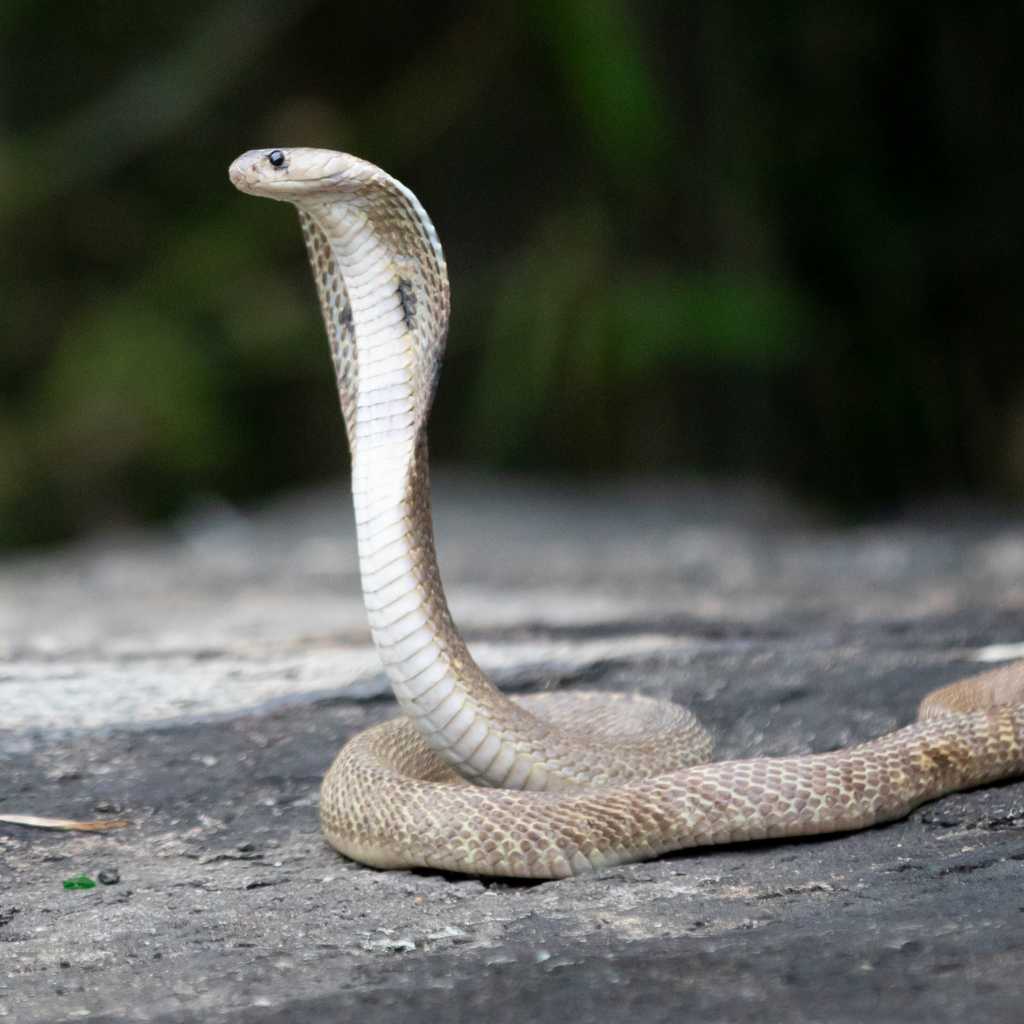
column 386, row 397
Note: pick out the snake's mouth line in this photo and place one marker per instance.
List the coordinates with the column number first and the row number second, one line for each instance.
column 243, row 177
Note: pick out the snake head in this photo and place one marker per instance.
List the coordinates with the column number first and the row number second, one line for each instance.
column 298, row 173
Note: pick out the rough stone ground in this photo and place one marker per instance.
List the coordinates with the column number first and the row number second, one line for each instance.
column 199, row 681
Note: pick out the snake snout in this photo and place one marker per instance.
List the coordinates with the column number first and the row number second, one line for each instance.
column 258, row 170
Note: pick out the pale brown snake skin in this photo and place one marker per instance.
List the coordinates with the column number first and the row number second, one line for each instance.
column 554, row 785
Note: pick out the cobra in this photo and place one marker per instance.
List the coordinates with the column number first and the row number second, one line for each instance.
column 469, row 780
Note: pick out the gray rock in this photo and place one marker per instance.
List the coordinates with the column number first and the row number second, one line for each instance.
column 199, row 682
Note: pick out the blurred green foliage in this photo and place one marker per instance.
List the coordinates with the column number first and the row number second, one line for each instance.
column 780, row 240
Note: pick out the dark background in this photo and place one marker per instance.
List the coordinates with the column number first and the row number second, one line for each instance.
column 779, row 241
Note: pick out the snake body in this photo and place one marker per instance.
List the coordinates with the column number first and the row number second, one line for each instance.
column 556, row 784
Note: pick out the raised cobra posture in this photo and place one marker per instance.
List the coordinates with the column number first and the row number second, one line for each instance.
column 557, row 784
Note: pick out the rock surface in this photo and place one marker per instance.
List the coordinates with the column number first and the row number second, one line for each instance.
column 198, row 682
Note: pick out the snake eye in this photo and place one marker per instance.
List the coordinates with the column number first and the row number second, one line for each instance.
column 276, row 157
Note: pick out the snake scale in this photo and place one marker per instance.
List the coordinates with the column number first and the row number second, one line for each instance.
column 555, row 784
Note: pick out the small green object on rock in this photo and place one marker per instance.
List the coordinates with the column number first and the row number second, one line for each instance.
column 79, row 882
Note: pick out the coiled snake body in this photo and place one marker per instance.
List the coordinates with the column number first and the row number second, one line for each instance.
column 557, row 784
